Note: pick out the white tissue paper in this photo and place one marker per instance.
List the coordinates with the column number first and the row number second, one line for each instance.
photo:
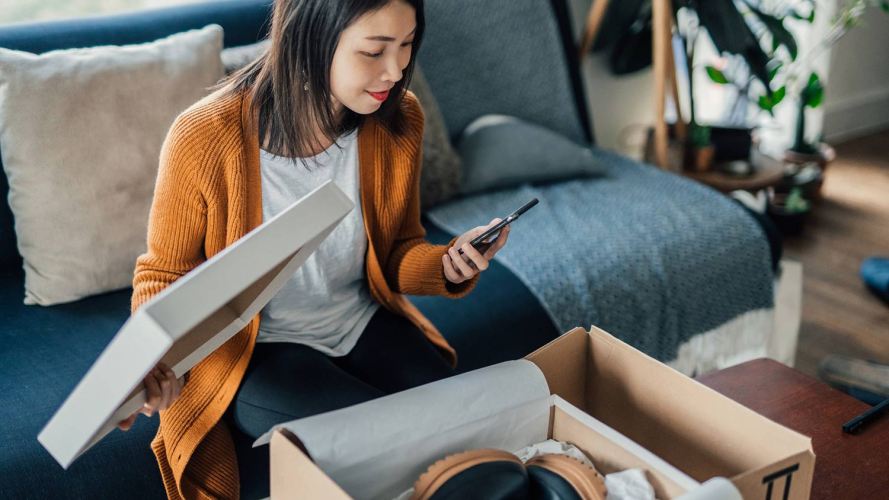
column 371, row 451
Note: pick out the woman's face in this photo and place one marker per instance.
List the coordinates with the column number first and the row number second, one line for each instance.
column 370, row 57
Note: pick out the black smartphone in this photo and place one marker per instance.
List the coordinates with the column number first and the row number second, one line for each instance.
column 484, row 241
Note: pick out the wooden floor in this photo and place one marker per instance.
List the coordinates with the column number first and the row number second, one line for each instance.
column 849, row 224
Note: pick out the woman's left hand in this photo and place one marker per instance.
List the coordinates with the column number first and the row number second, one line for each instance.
column 459, row 268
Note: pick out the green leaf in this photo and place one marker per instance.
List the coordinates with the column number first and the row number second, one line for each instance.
column 778, row 95
column 795, row 202
column 768, row 101
column 813, row 79
column 730, row 33
column 884, row 5
column 774, row 71
column 816, row 98
column 813, row 93
column 765, row 103
column 716, row 75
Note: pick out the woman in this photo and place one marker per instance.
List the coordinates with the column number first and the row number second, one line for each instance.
column 326, row 101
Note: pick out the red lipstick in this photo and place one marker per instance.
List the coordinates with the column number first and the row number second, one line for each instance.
column 380, row 96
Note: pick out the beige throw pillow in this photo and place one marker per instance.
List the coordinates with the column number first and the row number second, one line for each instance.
column 80, row 136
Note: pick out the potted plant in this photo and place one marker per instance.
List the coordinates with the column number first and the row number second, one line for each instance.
column 737, row 29
column 699, row 149
column 804, row 156
column 789, row 210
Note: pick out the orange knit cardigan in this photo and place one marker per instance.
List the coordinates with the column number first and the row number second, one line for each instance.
column 207, row 196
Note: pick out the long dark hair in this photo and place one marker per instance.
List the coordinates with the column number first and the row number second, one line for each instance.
column 304, row 36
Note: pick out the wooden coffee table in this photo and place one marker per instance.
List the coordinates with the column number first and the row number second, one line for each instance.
column 846, row 465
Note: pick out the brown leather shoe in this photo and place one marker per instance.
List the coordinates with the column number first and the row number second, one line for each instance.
column 475, row 474
column 560, row 477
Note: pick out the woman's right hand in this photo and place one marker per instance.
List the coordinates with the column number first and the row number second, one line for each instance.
column 161, row 388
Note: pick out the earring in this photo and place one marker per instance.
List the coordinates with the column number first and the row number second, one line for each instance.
column 306, row 86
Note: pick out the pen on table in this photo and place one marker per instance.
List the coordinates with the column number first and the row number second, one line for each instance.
column 854, row 424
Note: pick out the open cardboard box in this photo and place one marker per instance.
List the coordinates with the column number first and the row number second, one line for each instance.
column 654, row 418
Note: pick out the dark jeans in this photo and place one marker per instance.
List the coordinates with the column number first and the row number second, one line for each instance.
column 286, row 381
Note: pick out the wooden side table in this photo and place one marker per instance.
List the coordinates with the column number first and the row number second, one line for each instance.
column 767, row 174
column 846, row 465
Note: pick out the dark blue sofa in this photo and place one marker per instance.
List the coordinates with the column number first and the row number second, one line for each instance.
column 46, row 350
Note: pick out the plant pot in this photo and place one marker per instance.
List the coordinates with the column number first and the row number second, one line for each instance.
column 699, row 159
column 822, row 158
column 788, row 222
column 825, row 155
column 807, row 177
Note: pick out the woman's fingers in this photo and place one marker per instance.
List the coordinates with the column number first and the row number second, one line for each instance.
column 155, row 394
column 463, row 262
column 174, row 382
column 460, row 264
column 162, row 388
column 475, row 257
column 166, row 383
column 125, row 425
column 450, row 273
column 498, row 243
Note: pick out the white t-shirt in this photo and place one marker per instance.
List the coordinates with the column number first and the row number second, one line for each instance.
column 326, row 304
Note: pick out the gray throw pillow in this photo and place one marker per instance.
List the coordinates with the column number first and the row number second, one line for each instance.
column 500, row 151
column 441, row 173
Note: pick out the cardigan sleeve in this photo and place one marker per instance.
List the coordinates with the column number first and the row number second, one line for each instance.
column 177, row 222
column 414, row 266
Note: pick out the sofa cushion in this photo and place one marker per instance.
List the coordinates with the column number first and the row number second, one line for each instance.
column 80, row 134
column 441, row 174
column 500, row 151
column 242, row 23
column 46, row 351
column 513, row 57
column 235, row 58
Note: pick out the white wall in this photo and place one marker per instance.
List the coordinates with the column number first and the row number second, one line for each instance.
column 621, row 107
column 857, row 97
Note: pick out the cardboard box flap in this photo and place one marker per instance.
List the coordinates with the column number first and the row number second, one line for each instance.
column 294, row 475
column 190, row 319
column 561, row 360
column 789, row 478
column 678, row 419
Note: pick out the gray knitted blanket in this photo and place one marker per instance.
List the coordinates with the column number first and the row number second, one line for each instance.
column 648, row 256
